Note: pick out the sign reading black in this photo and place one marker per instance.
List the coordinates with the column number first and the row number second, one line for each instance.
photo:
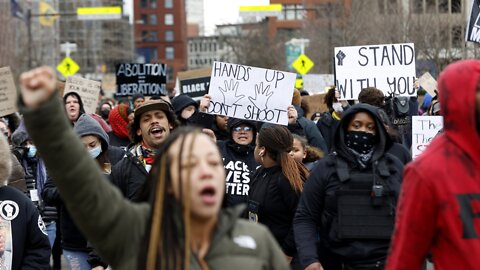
column 146, row 79
column 197, row 87
column 473, row 26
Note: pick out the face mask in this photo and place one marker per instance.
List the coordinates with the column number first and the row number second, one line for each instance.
column 104, row 114
column 361, row 142
column 32, row 151
column 95, row 151
column 337, row 106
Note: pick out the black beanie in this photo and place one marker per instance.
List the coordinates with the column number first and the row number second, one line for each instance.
column 181, row 102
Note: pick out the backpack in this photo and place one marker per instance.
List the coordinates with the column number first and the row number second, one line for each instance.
column 397, row 108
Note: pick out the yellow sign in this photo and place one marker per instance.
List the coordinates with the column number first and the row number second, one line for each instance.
column 47, row 11
column 271, row 7
column 303, row 64
column 67, row 67
column 99, row 13
column 299, row 83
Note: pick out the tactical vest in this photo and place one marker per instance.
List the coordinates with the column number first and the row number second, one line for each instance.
column 365, row 203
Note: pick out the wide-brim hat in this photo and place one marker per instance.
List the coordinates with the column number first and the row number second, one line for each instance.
column 150, row 105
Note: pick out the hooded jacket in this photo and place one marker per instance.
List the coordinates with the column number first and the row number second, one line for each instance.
column 115, row 226
column 318, row 205
column 441, row 189
column 239, row 164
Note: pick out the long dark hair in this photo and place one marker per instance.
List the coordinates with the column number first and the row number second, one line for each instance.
column 166, row 243
column 279, row 141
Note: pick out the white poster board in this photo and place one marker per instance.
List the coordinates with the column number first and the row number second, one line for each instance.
column 424, row 129
column 316, row 83
column 388, row 67
column 427, row 82
column 88, row 90
column 251, row 93
column 8, row 92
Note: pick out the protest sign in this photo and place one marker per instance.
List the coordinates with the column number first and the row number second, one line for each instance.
column 388, row 67
column 424, row 129
column 473, row 26
column 145, row 79
column 88, row 90
column 194, row 83
column 251, row 93
column 316, row 83
column 8, row 92
column 427, row 82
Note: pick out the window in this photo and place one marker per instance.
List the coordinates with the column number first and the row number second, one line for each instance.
column 457, row 36
column 144, row 19
column 169, row 35
column 292, row 12
column 153, row 36
column 417, row 6
column 430, row 6
column 153, row 3
column 143, row 3
column 456, row 6
column 168, row 3
column 144, row 36
column 168, row 19
column 153, row 19
column 443, row 6
column 169, row 53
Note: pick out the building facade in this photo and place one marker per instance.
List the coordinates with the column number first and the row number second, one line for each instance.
column 161, row 35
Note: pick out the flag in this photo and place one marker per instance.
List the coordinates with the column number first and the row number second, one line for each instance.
column 16, row 9
column 473, row 26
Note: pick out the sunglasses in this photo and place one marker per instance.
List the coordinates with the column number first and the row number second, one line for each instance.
column 238, row 129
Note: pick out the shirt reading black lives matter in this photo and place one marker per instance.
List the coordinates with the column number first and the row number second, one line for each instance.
column 239, row 164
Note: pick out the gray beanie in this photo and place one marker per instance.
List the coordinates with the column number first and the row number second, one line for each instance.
column 87, row 125
column 20, row 135
column 5, row 160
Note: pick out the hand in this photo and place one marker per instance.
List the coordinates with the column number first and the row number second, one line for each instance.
column 98, row 268
column 261, row 96
column 292, row 115
column 416, row 84
column 205, row 103
column 210, row 134
column 230, row 90
column 289, row 259
column 37, row 86
column 314, row 266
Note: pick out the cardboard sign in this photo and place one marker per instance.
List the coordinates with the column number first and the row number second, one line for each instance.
column 251, row 93
column 194, row 83
column 316, row 83
column 88, row 90
column 146, row 79
column 8, row 92
column 388, row 67
column 427, row 82
column 424, row 129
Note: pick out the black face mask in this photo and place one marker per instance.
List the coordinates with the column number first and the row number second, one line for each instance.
column 104, row 114
column 361, row 142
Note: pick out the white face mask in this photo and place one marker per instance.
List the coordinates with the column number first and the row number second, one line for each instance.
column 95, row 151
column 337, row 106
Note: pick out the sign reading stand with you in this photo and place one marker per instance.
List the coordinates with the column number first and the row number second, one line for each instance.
column 251, row 93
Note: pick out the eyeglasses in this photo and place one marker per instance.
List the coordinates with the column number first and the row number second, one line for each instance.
column 246, row 128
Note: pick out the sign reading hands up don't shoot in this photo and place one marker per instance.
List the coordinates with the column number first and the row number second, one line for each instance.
column 251, row 93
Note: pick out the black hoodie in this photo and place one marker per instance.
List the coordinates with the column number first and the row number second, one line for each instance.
column 318, row 209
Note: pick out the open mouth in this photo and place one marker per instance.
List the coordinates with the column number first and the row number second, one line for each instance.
column 208, row 195
column 157, row 131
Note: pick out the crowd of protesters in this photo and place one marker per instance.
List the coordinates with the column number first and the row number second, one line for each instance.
column 158, row 183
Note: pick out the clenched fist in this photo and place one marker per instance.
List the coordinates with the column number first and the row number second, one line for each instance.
column 37, row 86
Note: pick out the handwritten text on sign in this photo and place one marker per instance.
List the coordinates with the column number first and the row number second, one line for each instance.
column 424, row 129
column 388, row 67
column 251, row 93
column 88, row 90
column 8, row 92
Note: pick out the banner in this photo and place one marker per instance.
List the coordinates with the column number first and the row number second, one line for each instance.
column 146, row 79
column 251, row 93
column 388, row 67
column 8, row 92
column 317, row 83
column 194, row 83
column 473, row 26
column 88, row 90
column 424, row 129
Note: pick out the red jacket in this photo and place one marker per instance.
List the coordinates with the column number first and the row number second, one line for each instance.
column 439, row 207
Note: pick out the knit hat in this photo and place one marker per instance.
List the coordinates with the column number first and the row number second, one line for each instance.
column 182, row 101
column 297, row 98
column 5, row 160
column 20, row 135
column 118, row 119
column 86, row 125
column 137, row 96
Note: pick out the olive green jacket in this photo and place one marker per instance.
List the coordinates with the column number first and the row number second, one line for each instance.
column 116, row 226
